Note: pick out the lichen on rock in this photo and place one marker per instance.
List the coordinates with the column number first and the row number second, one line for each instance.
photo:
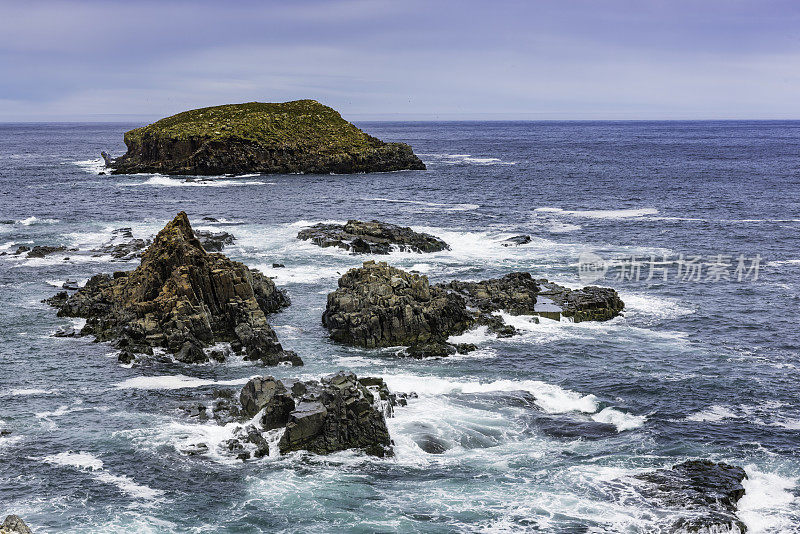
column 302, row 136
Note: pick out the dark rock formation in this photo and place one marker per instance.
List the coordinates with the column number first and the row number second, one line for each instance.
column 381, row 306
column 702, row 493
column 214, row 241
column 371, row 237
column 14, row 525
column 42, row 251
column 517, row 240
column 337, row 413
column 181, row 298
column 590, row 303
column 106, row 159
column 291, row 137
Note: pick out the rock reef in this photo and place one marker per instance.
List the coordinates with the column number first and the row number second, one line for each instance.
column 373, row 237
column 182, row 299
column 381, row 306
column 302, row 136
column 701, row 495
column 336, row 413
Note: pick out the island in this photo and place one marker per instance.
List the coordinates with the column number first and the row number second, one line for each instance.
column 299, row 137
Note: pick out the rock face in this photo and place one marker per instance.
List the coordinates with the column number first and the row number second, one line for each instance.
column 181, row 298
column 703, row 493
column 337, row 413
column 123, row 246
column 381, row 306
column 372, row 237
column 14, row 525
column 302, row 136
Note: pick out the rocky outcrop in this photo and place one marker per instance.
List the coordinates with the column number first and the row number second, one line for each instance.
column 591, row 303
column 181, row 298
column 214, row 241
column 516, row 241
column 702, row 494
column 372, row 237
column 14, row 525
column 302, row 136
column 336, row 413
column 381, row 306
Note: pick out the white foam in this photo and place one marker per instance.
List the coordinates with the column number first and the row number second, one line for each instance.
column 602, row 214
column 621, row 420
column 712, row 414
column 164, row 181
column 89, row 462
column 93, row 166
column 783, row 262
column 174, row 382
column 30, row 391
column 768, row 504
column 475, row 336
column 35, row 220
column 81, row 460
column 460, row 159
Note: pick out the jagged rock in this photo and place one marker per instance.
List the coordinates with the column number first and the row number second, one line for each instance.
column 181, row 298
column 106, row 159
column 71, row 285
column 291, row 137
column 14, row 525
column 214, row 241
column 371, row 237
column 268, row 394
column 278, row 266
column 342, row 415
column 436, row 349
column 65, row 331
column 702, row 493
column 590, row 303
column 21, row 249
column 381, row 306
column 517, row 240
column 44, row 250
column 514, row 293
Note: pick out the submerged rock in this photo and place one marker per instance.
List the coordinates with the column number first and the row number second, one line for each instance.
column 181, row 298
column 517, row 240
column 14, row 525
column 372, row 237
column 381, row 306
column 701, row 495
column 302, row 136
column 44, row 250
column 214, row 241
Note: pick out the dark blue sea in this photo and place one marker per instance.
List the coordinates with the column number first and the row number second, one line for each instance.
column 540, row 432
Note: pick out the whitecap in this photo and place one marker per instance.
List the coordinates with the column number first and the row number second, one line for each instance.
column 768, row 504
column 165, row 181
column 621, row 420
column 712, row 414
column 174, row 382
column 30, row 391
column 461, row 159
column 427, row 205
column 35, row 220
column 81, row 460
column 88, row 462
column 602, row 214
column 93, row 166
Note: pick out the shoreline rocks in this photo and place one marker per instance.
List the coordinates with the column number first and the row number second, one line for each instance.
column 373, row 237
column 296, row 137
column 181, row 298
column 14, row 525
column 123, row 246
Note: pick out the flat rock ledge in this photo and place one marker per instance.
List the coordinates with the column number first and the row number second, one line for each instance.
column 296, row 137
column 700, row 495
column 14, row 525
column 336, row 413
column 181, row 299
column 372, row 237
column 381, row 306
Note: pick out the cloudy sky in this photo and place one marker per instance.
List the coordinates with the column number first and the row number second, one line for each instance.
column 403, row 59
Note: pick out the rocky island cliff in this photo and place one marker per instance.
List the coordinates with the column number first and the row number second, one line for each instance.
column 302, row 136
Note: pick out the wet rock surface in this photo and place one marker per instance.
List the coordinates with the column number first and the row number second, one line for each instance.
column 336, row 413
column 123, row 246
column 181, row 298
column 703, row 495
column 372, row 237
column 381, row 306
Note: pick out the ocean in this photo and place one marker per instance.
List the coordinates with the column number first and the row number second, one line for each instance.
column 540, row 432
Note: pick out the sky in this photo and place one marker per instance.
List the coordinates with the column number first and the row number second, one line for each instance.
column 403, row 59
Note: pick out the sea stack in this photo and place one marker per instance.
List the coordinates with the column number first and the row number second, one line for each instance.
column 302, row 136
column 181, row 299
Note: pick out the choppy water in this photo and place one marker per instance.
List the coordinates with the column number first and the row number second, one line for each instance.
column 693, row 369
